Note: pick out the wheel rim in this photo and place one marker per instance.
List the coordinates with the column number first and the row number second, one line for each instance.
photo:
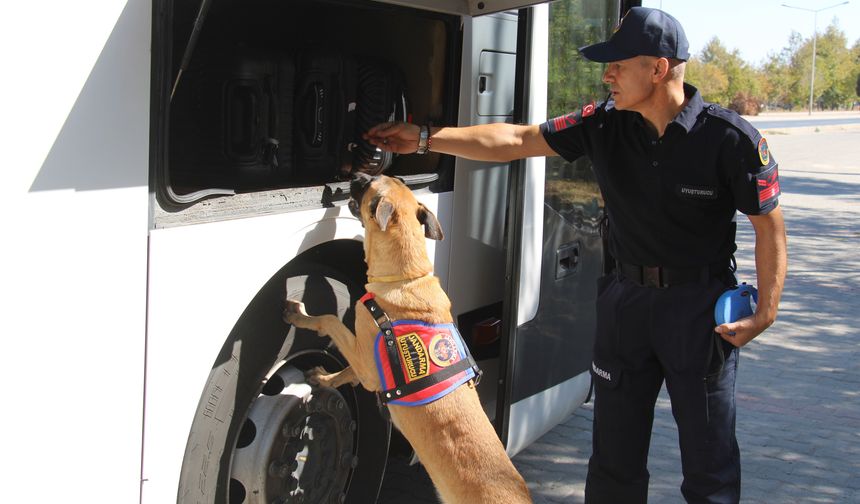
column 296, row 446
column 226, row 459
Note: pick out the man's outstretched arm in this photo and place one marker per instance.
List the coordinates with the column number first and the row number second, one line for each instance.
column 485, row 142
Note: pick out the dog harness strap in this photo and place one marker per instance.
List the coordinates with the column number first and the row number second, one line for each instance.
column 384, row 324
column 433, row 379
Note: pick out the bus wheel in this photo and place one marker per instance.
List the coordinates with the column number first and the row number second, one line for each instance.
column 303, row 437
column 261, row 433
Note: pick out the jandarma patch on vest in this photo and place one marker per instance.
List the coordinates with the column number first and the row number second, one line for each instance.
column 413, row 354
column 443, row 350
column 697, row 192
column 763, row 152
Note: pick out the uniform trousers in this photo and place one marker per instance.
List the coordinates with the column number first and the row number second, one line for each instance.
column 645, row 336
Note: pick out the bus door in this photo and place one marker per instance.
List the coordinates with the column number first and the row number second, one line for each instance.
column 553, row 242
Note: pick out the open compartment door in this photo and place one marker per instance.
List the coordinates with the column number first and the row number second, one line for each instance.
column 555, row 252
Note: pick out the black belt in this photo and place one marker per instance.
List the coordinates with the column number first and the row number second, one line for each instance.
column 660, row 277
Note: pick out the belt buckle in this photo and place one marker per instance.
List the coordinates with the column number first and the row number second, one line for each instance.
column 652, row 276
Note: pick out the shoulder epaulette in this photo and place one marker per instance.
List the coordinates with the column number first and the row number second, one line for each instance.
column 757, row 141
column 735, row 120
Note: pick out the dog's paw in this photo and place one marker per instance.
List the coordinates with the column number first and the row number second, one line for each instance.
column 317, row 376
column 293, row 310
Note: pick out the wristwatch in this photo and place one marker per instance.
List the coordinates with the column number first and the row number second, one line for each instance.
column 423, row 135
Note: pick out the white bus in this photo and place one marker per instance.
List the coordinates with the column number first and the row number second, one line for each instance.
column 162, row 197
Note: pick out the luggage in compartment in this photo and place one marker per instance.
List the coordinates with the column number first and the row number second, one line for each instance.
column 381, row 98
column 338, row 97
column 232, row 122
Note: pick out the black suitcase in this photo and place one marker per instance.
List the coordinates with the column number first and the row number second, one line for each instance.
column 381, row 97
column 232, row 123
column 325, row 116
column 338, row 97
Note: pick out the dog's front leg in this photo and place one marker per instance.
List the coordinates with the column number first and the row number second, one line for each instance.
column 324, row 325
column 319, row 376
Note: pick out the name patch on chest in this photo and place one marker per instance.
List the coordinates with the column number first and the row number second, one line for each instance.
column 697, row 192
column 414, row 355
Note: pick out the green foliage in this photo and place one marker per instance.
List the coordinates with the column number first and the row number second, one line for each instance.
column 782, row 80
column 573, row 80
column 723, row 77
column 779, row 82
column 855, row 54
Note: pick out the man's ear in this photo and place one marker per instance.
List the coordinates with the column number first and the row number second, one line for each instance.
column 661, row 69
column 432, row 228
column 382, row 210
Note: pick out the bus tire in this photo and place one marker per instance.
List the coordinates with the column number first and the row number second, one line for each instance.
column 260, row 433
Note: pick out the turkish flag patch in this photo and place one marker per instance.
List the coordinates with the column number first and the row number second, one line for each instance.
column 588, row 110
column 767, row 184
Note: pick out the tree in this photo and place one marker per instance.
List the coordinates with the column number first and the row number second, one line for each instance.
column 724, row 77
column 710, row 79
column 776, row 75
column 835, row 70
column 855, row 51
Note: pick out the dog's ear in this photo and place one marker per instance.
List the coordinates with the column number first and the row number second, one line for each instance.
column 432, row 228
column 382, row 210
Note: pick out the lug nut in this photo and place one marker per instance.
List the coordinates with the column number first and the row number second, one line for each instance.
column 279, row 469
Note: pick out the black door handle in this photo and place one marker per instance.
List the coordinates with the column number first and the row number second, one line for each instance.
column 567, row 260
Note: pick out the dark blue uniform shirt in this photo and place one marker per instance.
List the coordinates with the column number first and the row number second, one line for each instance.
column 671, row 201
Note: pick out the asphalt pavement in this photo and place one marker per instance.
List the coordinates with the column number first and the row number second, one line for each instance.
column 798, row 388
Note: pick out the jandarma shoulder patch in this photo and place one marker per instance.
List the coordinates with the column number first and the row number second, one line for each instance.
column 763, row 152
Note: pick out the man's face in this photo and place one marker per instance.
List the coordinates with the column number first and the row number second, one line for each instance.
column 630, row 82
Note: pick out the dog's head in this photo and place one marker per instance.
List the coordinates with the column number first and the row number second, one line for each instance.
column 383, row 203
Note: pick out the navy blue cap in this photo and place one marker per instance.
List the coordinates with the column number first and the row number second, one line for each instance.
column 642, row 32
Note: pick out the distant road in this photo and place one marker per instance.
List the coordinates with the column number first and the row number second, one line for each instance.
column 800, row 119
column 797, row 123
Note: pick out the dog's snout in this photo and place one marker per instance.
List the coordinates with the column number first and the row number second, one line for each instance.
column 359, row 184
column 357, row 188
column 354, row 209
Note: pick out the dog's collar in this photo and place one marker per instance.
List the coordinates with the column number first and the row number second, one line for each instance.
column 395, row 278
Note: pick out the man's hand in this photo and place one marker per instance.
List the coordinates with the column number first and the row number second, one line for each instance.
column 399, row 137
column 742, row 331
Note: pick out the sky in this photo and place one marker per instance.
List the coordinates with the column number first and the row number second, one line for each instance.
column 757, row 27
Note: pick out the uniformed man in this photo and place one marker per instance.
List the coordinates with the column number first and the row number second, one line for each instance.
column 673, row 171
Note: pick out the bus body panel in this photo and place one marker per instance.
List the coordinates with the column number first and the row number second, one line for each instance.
column 534, row 416
column 75, row 204
column 202, row 278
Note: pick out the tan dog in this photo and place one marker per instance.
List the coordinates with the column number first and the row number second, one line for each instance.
column 452, row 436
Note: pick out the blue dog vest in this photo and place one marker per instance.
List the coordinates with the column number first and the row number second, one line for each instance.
column 418, row 362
